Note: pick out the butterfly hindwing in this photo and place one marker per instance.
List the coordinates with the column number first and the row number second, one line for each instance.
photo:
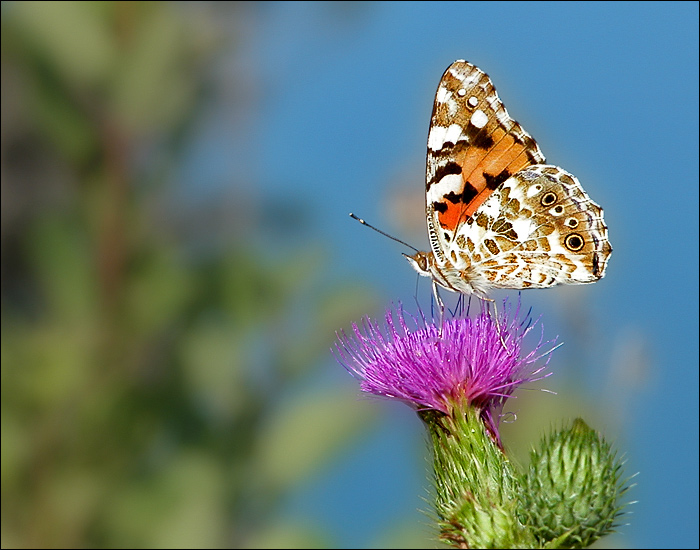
column 538, row 229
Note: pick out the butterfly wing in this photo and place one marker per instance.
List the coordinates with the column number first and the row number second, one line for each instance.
column 473, row 147
column 537, row 230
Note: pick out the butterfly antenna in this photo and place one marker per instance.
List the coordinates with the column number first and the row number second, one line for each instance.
column 363, row 222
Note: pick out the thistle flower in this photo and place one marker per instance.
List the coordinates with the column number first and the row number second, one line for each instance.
column 447, row 367
column 457, row 374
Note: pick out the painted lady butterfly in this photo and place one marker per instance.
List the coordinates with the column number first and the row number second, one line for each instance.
column 498, row 216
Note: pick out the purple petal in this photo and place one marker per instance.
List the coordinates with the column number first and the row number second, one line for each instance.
column 465, row 361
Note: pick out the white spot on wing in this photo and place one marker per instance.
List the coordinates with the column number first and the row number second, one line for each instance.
column 450, row 182
column 491, row 206
column 523, row 228
column 439, row 135
column 452, row 107
column 436, row 137
column 473, row 101
column 471, row 79
column 503, row 118
column 454, row 132
column 494, row 102
column 442, row 95
column 479, row 118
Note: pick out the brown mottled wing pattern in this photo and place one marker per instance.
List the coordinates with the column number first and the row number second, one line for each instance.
column 473, row 147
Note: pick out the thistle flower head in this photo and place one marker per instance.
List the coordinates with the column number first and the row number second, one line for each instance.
column 446, row 366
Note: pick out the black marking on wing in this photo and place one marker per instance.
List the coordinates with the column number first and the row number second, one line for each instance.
column 467, row 194
column 446, row 170
column 492, row 182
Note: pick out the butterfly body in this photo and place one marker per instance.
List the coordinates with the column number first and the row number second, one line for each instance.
column 497, row 215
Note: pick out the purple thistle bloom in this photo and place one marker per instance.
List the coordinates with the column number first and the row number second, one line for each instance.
column 475, row 362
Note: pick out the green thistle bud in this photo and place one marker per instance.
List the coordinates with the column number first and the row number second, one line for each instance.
column 572, row 489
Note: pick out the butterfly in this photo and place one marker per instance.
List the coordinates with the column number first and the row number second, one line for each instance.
column 498, row 216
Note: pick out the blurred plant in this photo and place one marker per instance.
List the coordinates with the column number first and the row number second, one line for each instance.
column 142, row 378
column 457, row 373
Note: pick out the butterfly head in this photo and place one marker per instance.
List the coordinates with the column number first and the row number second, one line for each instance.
column 464, row 280
column 425, row 264
column 421, row 262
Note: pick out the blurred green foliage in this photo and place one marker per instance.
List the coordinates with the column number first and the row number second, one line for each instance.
column 146, row 390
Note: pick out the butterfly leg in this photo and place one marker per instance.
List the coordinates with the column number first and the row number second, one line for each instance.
column 495, row 318
column 440, row 306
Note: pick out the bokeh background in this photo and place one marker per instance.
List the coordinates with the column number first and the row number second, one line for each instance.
column 177, row 256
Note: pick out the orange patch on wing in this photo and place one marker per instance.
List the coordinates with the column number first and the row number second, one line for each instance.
column 450, row 218
column 506, row 154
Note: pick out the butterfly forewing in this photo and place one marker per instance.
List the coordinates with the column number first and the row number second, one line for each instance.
column 473, row 146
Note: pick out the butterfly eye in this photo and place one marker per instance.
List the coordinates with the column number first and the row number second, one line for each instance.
column 558, row 210
column 572, row 223
column 549, row 199
column 574, row 242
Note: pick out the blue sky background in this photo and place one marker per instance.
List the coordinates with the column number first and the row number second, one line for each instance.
column 344, row 93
